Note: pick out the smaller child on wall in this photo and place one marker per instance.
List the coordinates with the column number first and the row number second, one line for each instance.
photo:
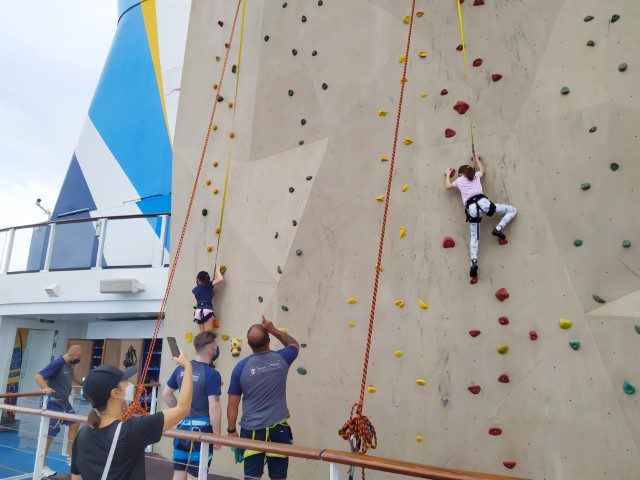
column 204, row 315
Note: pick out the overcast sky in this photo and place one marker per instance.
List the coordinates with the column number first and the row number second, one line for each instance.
column 51, row 57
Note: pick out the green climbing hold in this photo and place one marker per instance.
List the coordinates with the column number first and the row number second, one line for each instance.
column 304, row 18
column 309, row 177
column 204, row 212
column 325, row 86
column 598, row 299
column 279, row 270
column 585, row 186
column 266, row 38
column 564, row 90
column 294, row 223
column 588, row 18
column 276, row 235
column 577, row 243
column 298, row 252
column 291, row 189
column 260, row 299
column 291, row 93
column 628, row 388
column 626, row 243
column 637, row 327
column 593, row 129
column 615, row 17
column 285, row 308
column 591, row 43
column 294, row 51
column 574, row 345
column 622, row 67
column 314, row 53
column 614, row 166
column 302, row 370
column 303, row 345
column 284, row 5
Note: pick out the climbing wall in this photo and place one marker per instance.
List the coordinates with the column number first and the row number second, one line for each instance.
column 539, row 384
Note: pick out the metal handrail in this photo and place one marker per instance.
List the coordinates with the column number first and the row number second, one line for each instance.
column 309, row 453
column 37, row 393
column 86, row 219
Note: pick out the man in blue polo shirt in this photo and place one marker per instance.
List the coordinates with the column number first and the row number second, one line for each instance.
column 261, row 381
column 206, row 411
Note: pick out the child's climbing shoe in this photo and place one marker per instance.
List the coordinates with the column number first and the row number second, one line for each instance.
column 473, row 272
column 498, row 233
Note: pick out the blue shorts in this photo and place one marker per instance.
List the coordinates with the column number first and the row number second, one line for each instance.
column 278, row 466
column 55, row 424
column 186, row 454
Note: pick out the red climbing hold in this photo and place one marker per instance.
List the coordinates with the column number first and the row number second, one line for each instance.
column 461, row 107
column 474, row 280
column 533, row 335
column 477, row 3
column 502, row 241
column 474, row 333
column 509, row 464
column 221, row 23
column 475, row 389
column 448, row 242
column 452, row 172
column 461, row 2
column 449, row 132
column 504, row 378
column 502, row 294
column 477, row 62
column 503, row 321
column 459, row 47
column 495, row 431
column 444, row 91
column 495, row 77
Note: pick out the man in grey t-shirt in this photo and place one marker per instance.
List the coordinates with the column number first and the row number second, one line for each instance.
column 261, row 381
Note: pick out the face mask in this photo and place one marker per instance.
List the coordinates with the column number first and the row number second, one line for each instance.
column 128, row 393
column 216, row 355
column 75, row 361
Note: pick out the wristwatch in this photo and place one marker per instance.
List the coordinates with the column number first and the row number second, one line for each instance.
column 231, row 430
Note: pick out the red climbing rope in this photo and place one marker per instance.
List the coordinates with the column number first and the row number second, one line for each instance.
column 136, row 408
column 358, row 426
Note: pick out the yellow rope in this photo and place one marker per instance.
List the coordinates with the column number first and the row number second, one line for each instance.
column 466, row 74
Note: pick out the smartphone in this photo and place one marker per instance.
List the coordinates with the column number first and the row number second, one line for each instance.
column 173, row 345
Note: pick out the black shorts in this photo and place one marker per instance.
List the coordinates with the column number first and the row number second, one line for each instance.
column 278, row 466
column 186, row 454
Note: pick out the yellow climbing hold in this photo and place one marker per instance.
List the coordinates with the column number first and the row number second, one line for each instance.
column 215, row 85
column 215, row 164
column 384, row 158
column 217, row 58
column 398, row 353
column 421, row 382
column 422, row 305
column 418, row 439
column 407, row 141
column 215, row 127
column 564, row 323
column 209, row 248
column 231, row 134
column 502, row 349
column 189, row 337
column 352, row 300
column 351, row 324
column 230, row 104
column 224, row 337
column 215, row 191
column 217, row 229
column 407, row 18
column 419, row 13
column 403, row 80
column 402, row 59
column 403, row 232
column 423, row 95
column 380, row 198
column 379, row 267
column 382, row 113
column 208, row 181
column 283, row 330
column 399, row 303
column 371, row 389
column 405, row 188
column 422, row 54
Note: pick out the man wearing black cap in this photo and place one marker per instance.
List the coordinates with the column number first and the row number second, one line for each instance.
column 110, row 445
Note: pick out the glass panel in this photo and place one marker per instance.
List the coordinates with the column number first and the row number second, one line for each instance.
column 3, row 245
column 131, row 242
column 21, row 247
column 74, row 246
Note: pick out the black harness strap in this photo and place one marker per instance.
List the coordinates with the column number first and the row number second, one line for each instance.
column 475, row 201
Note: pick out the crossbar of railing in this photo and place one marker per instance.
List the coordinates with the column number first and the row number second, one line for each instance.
column 310, row 453
column 37, row 393
column 86, row 219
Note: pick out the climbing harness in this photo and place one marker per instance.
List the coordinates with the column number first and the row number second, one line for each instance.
column 136, row 408
column 466, row 75
column 267, row 436
column 475, row 201
column 201, row 307
column 183, row 449
column 359, row 426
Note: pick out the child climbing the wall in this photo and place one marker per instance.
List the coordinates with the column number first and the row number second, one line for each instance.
column 476, row 206
column 204, row 315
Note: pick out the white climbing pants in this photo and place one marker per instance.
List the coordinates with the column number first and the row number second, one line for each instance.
column 507, row 211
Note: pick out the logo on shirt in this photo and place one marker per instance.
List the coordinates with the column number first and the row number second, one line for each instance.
column 267, row 367
column 196, row 376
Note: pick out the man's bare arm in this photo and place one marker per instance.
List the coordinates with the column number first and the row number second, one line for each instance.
column 169, row 398
column 232, row 412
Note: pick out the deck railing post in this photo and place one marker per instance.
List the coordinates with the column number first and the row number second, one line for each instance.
column 334, row 473
column 49, row 250
column 102, row 234
column 6, row 260
column 203, row 465
column 38, row 463
column 159, row 260
column 153, row 405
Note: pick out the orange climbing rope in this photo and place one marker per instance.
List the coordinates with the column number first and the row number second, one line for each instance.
column 359, row 427
column 136, row 408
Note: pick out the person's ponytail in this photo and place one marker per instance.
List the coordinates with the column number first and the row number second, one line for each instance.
column 468, row 171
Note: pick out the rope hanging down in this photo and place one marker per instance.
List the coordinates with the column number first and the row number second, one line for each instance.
column 466, row 76
column 358, row 426
column 136, row 408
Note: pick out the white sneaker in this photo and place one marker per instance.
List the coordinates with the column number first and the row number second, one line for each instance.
column 47, row 472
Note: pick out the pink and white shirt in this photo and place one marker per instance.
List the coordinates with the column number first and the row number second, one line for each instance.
column 468, row 188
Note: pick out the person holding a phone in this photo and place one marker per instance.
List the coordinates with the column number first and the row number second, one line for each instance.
column 108, row 448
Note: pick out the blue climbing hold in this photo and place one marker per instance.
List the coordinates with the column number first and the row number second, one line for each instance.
column 285, row 308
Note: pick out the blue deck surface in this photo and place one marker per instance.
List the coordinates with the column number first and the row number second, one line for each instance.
column 18, row 460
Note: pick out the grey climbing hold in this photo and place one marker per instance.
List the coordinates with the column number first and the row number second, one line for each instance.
column 304, row 18
column 276, row 235
column 301, row 142
column 303, row 122
column 234, row 69
column 622, row 67
column 577, row 243
column 564, row 90
column 260, row 299
column 593, row 129
column 626, row 243
column 314, row 53
column 220, row 98
column 285, row 308
column 325, row 86
column 309, row 177
column 294, row 51
column 598, row 299
column 301, row 370
column 591, row 43
column 291, row 93
column 294, row 223
column 615, row 17
column 574, row 345
column 637, row 327
column 266, row 38
column 279, row 270
column 291, row 189
column 320, row 2
column 585, row 186
column 588, row 18
column 284, row 5
column 445, row 401
column 204, row 212
column 614, row 166
column 298, row 252
column 628, row 388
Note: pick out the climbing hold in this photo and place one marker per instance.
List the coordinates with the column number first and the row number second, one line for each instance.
column 502, row 294
column 598, row 299
column 231, row 134
column 300, row 142
column 461, row 107
column 207, row 181
column 448, row 242
column 504, row 378
column 614, row 166
column 382, row 113
column 444, row 91
column 626, row 243
column 309, row 177
column 215, row 127
column 189, row 337
column 495, row 77
column 303, row 345
column 276, row 235
column 234, row 69
column 495, row 430
column 577, row 243
column 448, row 133
column 215, row 164
column 223, row 269
column 209, row 248
column 477, row 62
column 405, row 188
column 279, row 270
column 637, row 327
column 459, row 48
column 284, row 5
column 423, row 95
column 218, row 57
column 628, row 388
column 230, row 104
column 260, row 299
column 371, row 389
column 215, row 86
column 215, row 191
column 380, row 198
column 224, row 337
column 351, row 324
column 402, row 59
column 283, row 330
column 291, row 93
column 284, row 308
column 406, row 19
column 474, row 333
column 475, row 389
column 564, row 90
column 304, row 18
column 294, row 223
column 615, row 17
column 421, row 382
column 291, row 189
column 502, row 349
column 266, row 38
column 301, row 370
column 294, row 52
column 452, row 172
column 588, row 18
column 384, row 158
column 502, row 241
column 407, row 141
column 422, row 305
column 303, row 122
column 314, row 53
column 585, row 186
column 503, row 321
column 574, row 345
column 591, row 43
column 398, row 353
column 399, row 303
column 325, row 86
column 445, row 401
column 622, row 67
column 320, row 2
column 533, row 335
column 509, row 464
column 204, row 212
column 298, row 252
column 477, row 3
column 419, row 13
column 418, row 439
column 422, row 54
column 403, row 232
column 352, row 300
column 564, row 323
column 593, row 129
column 216, row 323
column 217, row 230
column 220, row 98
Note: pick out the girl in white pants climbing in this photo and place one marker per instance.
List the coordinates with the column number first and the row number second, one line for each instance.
column 477, row 206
